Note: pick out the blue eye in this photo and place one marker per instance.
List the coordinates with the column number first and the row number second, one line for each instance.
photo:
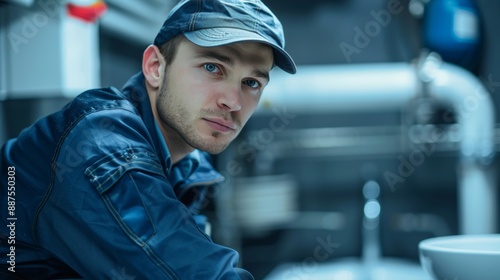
column 252, row 83
column 212, row 68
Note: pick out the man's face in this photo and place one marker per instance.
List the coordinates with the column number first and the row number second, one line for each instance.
column 208, row 94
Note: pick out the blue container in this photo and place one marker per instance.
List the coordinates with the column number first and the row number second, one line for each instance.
column 452, row 29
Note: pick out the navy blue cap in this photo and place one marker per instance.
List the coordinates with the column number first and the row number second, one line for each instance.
column 210, row 23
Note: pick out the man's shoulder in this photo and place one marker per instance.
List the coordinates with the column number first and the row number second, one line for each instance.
column 106, row 113
column 102, row 127
column 90, row 115
column 94, row 100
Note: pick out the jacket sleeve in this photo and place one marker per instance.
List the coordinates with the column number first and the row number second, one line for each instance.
column 112, row 213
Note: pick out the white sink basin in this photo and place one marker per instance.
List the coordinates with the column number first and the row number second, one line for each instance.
column 462, row 257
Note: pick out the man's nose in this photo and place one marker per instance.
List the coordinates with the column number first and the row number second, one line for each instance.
column 229, row 97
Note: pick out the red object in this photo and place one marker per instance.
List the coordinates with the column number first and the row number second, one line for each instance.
column 87, row 13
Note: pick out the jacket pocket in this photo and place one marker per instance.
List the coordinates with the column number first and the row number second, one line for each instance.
column 113, row 178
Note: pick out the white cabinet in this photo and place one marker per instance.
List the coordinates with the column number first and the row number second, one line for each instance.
column 45, row 52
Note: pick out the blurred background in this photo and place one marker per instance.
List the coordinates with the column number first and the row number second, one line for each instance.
column 351, row 162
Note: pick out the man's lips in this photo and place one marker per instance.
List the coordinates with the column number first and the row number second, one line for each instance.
column 221, row 124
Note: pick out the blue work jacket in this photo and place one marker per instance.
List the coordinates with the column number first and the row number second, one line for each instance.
column 90, row 191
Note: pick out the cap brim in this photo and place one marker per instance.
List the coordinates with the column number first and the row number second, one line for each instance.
column 213, row 37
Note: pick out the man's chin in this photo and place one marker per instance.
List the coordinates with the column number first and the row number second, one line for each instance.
column 211, row 147
column 209, row 141
column 213, row 150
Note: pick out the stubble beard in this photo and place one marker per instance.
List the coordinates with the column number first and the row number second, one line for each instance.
column 178, row 118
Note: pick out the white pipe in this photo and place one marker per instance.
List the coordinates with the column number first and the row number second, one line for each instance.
column 456, row 87
column 478, row 209
column 379, row 87
column 358, row 87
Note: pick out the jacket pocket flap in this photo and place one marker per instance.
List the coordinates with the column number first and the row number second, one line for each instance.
column 108, row 170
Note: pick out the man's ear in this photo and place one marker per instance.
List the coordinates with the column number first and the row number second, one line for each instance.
column 153, row 66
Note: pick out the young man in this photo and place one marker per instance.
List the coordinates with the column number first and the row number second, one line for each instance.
column 107, row 187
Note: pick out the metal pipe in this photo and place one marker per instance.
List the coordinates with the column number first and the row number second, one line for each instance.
column 382, row 87
column 453, row 86
column 360, row 87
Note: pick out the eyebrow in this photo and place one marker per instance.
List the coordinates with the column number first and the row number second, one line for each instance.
column 227, row 60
